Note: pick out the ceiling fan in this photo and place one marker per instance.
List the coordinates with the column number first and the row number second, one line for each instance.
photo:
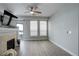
column 33, row 10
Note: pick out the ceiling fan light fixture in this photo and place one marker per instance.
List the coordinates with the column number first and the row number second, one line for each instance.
column 32, row 12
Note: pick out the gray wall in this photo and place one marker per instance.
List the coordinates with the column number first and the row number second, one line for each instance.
column 78, row 36
column 26, row 26
column 63, row 22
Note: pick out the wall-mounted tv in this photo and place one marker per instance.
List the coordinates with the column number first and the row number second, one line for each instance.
column 7, row 18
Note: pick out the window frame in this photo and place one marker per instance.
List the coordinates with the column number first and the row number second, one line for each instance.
column 38, row 30
column 30, row 28
column 46, row 28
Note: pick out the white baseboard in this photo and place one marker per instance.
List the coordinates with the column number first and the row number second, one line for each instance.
column 63, row 48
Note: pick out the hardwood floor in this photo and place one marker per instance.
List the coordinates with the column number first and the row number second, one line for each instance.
column 40, row 48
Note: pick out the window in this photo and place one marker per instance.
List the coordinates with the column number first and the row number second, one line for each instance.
column 38, row 28
column 43, row 28
column 33, row 28
column 20, row 26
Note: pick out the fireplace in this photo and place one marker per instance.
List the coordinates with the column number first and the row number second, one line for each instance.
column 11, row 44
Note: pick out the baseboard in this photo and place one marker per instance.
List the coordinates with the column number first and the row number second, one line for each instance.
column 63, row 48
column 30, row 39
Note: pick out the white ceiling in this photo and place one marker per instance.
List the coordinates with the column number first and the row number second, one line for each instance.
column 19, row 9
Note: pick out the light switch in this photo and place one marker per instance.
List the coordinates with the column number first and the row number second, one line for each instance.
column 69, row 32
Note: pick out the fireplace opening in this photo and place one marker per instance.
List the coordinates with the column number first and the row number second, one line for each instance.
column 11, row 44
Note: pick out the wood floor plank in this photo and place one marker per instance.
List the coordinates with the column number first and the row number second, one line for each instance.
column 40, row 48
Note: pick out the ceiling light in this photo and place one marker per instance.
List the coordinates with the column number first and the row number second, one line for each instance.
column 32, row 12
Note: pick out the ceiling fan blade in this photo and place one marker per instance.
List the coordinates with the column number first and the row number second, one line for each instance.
column 32, row 9
column 27, row 11
column 37, row 12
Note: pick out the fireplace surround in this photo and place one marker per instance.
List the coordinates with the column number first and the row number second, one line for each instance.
column 8, row 39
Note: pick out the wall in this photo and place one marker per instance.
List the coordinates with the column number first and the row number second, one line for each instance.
column 26, row 26
column 63, row 22
column 78, row 36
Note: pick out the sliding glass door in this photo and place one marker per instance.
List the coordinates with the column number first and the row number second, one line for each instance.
column 20, row 28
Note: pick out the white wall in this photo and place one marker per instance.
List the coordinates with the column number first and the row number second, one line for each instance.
column 63, row 21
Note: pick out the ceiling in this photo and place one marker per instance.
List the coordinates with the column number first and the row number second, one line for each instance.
column 19, row 9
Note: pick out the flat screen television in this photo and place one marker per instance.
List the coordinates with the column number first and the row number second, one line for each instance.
column 7, row 18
